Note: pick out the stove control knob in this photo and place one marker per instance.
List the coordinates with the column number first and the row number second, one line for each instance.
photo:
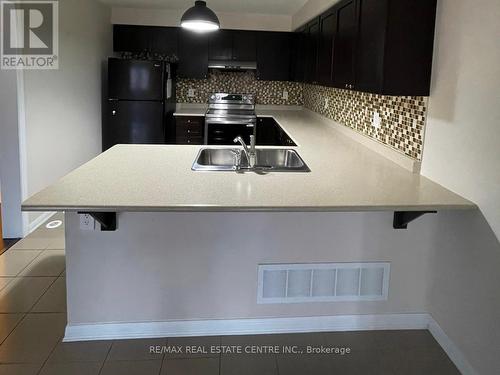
column 245, row 98
column 212, row 97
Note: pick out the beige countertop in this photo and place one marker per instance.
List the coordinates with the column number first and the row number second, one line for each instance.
column 345, row 176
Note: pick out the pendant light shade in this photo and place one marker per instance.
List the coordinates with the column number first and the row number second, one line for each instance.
column 200, row 18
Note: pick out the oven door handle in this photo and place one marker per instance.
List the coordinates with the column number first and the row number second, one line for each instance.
column 249, row 124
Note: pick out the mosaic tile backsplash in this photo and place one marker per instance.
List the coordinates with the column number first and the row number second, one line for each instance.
column 402, row 118
column 266, row 92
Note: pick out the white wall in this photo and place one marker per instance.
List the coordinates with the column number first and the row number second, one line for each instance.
column 462, row 152
column 176, row 273
column 10, row 166
column 63, row 107
column 165, row 17
column 310, row 10
column 462, row 144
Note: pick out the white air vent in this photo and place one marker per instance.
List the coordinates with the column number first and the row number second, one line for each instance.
column 327, row 282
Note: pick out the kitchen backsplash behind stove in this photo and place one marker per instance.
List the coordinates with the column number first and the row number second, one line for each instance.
column 402, row 117
column 266, row 92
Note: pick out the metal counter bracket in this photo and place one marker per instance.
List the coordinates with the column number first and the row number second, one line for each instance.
column 403, row 218
column 106, row 219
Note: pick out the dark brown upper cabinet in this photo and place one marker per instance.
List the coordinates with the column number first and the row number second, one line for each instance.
column 193, row 55
column 377, row 46
column 233, row 45
column 131, row 38
column 273, row 56
column 244, row 45
column 298, row 54
column 221, row 45
column 395, row 46
column 344, row 47
column 328, row 29
column 311, row 51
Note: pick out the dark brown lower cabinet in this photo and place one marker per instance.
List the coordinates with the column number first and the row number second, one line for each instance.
column 189, row 129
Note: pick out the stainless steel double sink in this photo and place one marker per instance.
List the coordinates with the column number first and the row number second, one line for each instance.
column 268, row 160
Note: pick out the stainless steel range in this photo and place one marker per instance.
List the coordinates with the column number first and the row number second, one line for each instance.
column 229, row 116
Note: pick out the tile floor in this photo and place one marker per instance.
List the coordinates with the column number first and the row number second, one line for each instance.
column 33, row 317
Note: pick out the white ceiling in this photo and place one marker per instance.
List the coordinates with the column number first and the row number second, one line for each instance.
column 282, row 7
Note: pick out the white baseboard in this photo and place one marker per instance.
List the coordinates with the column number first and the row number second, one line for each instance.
column 182, row 328
column 44, row 216
column 186, row 328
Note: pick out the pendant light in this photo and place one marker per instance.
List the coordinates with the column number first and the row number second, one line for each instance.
column 200, row 18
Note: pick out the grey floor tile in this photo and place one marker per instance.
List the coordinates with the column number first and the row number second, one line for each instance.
column 76, row 368
column 86, row 351
column 191, row 366
column 33, row 339
column 193, row 347
column 57, row 243
column 21, row 294
column 414, row 363
column 32, row 242
column 7, row 324
column 410, row 340
column 247, row 364
column 356, row 341
column 19, row 369
column 360, row 362
column 300, row 340
column 135, row 350
column 4, row 281
column 48, row 263
column 54, row 299
column 304, row 364
column 131, row 368
column 13, row 262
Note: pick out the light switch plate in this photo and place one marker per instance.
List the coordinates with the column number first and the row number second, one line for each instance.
column 191, row 93
column 285, row 95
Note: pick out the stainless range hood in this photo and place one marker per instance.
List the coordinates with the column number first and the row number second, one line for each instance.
column 232, row 65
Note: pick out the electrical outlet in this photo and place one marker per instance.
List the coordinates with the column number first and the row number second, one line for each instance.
column 285, row 95
column 377, row 121
column 87, row 222
column 327, row 103
column 191, row 93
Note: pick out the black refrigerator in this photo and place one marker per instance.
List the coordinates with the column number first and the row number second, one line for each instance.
column 141, row 103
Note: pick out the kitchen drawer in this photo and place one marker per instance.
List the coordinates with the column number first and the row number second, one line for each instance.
column 180, row 140
column 189, row 131
column 190, row 120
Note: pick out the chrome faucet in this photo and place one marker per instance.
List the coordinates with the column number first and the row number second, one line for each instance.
column 249, row 152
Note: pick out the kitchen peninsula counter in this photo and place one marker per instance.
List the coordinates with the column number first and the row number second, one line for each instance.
column 345, row 176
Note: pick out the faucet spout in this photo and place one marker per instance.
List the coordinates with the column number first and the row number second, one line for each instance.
column 249, row 152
